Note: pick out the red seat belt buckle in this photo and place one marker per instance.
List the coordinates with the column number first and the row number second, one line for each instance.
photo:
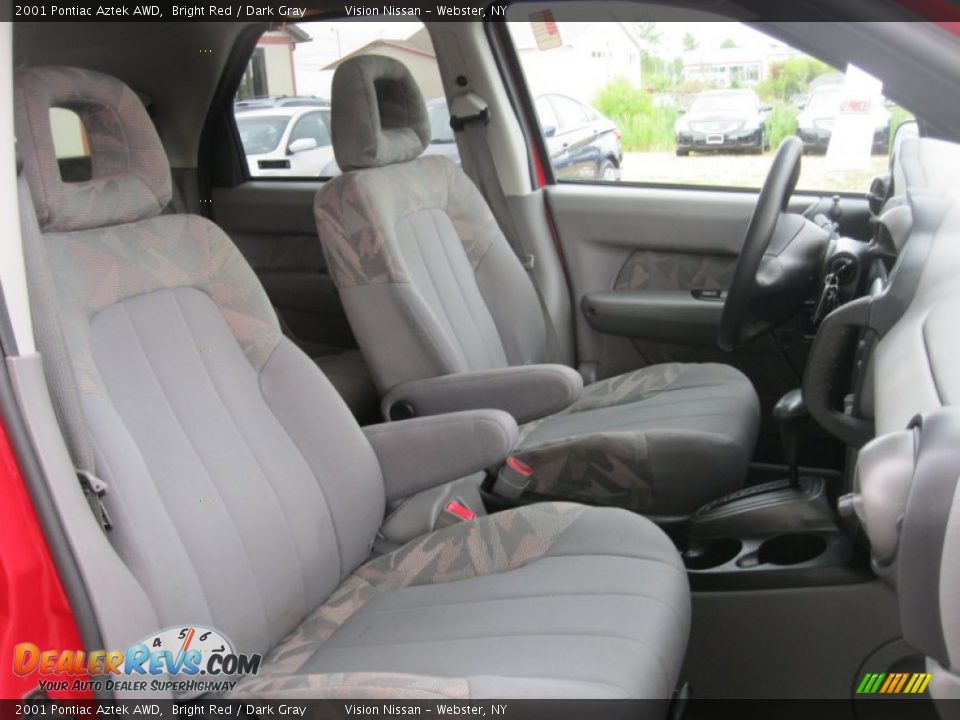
column 457, row 508
column 513, row 479
column 519, row 466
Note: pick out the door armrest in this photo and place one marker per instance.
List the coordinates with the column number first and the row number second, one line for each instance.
column 683, row 317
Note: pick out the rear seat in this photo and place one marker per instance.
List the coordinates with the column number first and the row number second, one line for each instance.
column 349, row 374
column 226, row 447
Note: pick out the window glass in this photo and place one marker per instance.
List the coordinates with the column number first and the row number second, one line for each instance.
column 312, row 126
column 548, row 118
column 569, row 113
column 697, row 103
column 282, row 107
column 69, row 136
column 70, row 145
column 261, row 134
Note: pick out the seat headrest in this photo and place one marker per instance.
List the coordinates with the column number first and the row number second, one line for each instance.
column 378, row 116
column 130, row 175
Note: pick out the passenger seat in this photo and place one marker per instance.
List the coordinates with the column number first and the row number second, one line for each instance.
column 227, row 447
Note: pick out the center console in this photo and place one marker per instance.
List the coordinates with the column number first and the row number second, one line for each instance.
column 776, row 534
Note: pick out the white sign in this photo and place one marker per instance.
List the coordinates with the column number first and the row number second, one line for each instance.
column 859, row 116
column 545, row 30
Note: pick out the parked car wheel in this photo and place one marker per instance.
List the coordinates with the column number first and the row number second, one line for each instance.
column 608, row 172
column 682, row 153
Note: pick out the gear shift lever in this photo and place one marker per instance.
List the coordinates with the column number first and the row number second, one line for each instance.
column 790, row 412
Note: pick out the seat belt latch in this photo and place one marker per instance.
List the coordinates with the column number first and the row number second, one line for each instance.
column 467, row 108
column 94, row 489
column 455, row 511
column 513, row 479
column 460, row 510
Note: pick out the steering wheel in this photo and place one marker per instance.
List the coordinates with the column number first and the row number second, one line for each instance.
column 766, row 222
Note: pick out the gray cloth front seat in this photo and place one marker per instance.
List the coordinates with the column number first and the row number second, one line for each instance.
column 245, row 497
column 432, row 289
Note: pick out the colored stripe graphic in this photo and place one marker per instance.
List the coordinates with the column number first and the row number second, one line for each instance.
column 893, row 683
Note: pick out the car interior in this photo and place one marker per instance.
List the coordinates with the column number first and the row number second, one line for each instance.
column 465, row 429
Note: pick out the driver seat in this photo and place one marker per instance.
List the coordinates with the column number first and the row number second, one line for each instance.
column 433, row 289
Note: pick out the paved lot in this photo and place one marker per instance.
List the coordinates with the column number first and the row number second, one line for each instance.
column 742, row 171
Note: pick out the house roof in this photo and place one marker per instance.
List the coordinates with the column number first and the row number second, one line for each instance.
column 417, row 44
column 293, row 32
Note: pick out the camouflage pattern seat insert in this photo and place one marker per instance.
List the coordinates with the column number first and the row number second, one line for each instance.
column 432, row 289
column 245, row 497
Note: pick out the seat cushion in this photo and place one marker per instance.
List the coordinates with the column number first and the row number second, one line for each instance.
column 662, row 440
column 347, row 372
column 552, row 599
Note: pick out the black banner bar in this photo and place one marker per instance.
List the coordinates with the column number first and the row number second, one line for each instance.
column 916, row 708
column 278, row 11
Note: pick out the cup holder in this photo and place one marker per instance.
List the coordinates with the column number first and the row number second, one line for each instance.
column 791, row 549
column 712, row 553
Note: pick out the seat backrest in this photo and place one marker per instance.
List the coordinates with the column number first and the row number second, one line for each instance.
column 241, row 489
column 428, row 281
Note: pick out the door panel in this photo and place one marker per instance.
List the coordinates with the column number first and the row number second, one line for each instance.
column 666, row 251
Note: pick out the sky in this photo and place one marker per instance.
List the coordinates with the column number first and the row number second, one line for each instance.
column 333, row 40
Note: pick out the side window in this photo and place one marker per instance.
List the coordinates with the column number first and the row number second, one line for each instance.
column 282, row 107
column 548, row 118
column 697, row 103
column 313, row 129
column 570, row 113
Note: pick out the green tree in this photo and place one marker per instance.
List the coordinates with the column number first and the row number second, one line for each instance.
column 647, row 33
column 690, row 43
column 727, row 44
column 787, row 78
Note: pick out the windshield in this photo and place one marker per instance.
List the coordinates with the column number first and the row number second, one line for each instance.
column 440, row 130
column 261, row 134
column 724, row 103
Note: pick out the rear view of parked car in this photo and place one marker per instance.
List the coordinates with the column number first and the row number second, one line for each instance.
column 815, row 122
column 723, row 120
column 286, row 141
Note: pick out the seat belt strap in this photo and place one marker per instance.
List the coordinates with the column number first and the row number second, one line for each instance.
column 470, row 115
column 58, row 369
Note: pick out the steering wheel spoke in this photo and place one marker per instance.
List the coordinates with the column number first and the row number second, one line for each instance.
column 781, row 254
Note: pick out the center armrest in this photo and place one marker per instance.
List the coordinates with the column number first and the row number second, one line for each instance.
column 423, row 453
column 527, row 392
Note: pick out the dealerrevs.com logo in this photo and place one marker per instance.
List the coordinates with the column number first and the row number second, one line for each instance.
column 178, row 659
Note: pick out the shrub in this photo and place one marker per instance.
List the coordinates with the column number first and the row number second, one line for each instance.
column 781, row 122
column 791, row 77
column 643, row 125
